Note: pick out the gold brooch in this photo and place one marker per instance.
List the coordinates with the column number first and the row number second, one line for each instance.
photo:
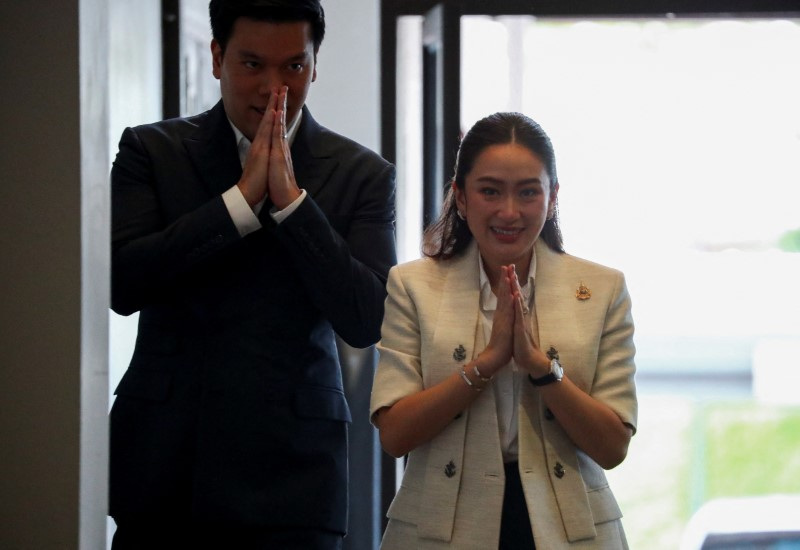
column 583, row 292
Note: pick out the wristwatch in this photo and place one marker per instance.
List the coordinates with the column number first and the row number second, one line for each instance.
column 555, row 375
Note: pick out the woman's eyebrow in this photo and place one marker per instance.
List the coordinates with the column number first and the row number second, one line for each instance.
column 492, row 179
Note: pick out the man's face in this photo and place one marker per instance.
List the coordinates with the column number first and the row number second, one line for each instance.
column 262, row 56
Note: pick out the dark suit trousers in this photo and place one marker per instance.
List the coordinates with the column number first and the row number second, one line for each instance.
column 176, row 535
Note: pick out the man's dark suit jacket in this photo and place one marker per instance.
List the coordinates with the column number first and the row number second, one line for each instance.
column 232, row 409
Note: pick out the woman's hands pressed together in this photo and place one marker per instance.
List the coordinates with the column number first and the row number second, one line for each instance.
column 499, row 350
column 512, row 335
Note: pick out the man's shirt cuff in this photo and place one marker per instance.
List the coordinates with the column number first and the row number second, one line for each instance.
column 280, row 215
column 242, row 215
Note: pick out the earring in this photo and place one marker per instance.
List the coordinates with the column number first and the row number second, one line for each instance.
column 460, row 215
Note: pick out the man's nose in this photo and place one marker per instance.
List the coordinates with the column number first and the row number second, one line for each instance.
column 270, row 80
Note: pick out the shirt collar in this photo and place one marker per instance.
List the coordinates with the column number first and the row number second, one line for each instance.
column 489, row 300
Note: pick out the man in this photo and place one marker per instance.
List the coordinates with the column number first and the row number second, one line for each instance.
column 245, row 236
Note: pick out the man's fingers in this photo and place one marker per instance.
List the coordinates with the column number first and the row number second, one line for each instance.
column 279, row 124
column 264, row 131
column 285, row 96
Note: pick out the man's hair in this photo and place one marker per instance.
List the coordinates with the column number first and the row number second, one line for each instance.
column 224, row 13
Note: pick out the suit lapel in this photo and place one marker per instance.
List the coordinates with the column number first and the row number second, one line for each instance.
column 555, row 305
column 545, row 333
column 549, row 297
column 212, row 149
column 313, row 163
column 455, row 335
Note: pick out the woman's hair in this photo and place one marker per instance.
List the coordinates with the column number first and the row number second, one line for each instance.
column 449, row 235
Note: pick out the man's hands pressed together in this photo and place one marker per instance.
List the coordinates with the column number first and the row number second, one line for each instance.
column 268, row 170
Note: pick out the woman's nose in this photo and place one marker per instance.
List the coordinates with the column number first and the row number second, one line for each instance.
column 508, row 208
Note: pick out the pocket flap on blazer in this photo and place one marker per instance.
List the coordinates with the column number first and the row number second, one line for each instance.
column 405, row 505
column 603, row 505
column 319, row 402
column 144, row 384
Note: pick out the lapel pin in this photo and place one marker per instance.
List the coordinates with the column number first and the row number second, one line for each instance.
column 552, row 353
column 583, row 292
column 459, row 354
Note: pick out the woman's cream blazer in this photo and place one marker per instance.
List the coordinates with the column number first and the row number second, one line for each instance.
column 452, row 491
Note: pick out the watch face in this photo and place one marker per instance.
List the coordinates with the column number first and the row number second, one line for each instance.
column 555, row 368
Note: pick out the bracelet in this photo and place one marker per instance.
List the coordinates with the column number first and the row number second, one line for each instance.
column 481, row 377
column 469, row 382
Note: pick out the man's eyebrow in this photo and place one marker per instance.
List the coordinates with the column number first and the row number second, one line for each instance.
column 302, row 55
column 254, row 55
column 248, row 54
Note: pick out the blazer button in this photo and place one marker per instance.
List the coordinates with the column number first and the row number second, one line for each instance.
column 450, row 469
column 548, row 414
column 559, row 470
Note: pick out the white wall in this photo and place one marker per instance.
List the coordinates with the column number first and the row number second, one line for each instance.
column 346, row 95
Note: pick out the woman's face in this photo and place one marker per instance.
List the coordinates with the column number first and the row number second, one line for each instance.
column 506, row 199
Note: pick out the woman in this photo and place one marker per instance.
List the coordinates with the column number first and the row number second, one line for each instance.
column 509, row 402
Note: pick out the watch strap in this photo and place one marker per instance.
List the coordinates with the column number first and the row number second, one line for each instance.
column 552, row 376
column 548, row 378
